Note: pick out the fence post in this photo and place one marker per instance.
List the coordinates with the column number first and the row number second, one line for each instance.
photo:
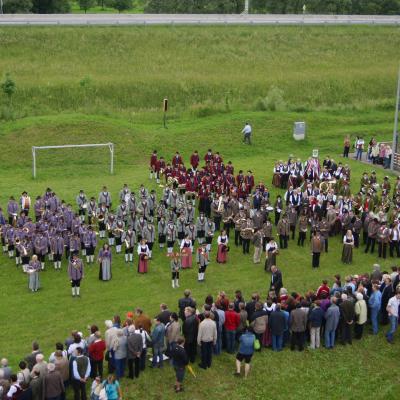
column 34, row 161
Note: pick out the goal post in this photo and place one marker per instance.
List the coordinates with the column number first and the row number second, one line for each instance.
column 66, row 146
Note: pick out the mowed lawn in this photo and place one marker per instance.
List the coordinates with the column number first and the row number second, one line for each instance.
column 88, row 85
column 50, row 314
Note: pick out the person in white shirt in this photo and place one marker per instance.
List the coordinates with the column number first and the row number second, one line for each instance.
column 25, row 203
column 359, row 147
column 81, row 373
column 247, row 133
column 393, row 313
column 15, row 388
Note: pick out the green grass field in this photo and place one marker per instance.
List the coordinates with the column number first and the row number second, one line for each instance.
column 339, row 80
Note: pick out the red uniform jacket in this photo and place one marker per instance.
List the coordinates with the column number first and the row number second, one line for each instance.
column 194, row 160
column 153, row 161
column 177, row 160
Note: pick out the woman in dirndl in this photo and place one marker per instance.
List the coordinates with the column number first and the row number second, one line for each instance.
column 186, row 252
column 348, row 244
column 33, row 274
column 144, row 254
column 222, row 254
column 276, row 178
column 105, row 263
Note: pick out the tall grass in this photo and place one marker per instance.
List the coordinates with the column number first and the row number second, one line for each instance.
column 134, row 68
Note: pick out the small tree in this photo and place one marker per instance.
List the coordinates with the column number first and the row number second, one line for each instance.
column 122, row 5
column 17, row 6
column 86, row 4
column 8, row 87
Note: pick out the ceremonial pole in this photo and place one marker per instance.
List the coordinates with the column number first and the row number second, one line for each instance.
column 396, row 123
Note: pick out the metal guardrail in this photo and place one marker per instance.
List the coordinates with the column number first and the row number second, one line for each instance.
column 195, row 19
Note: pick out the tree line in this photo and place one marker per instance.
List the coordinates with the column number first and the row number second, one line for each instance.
column 365, row 7
column 61, row 6
column 211, row 6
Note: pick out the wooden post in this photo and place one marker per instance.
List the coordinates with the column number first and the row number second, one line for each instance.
column 165, row 106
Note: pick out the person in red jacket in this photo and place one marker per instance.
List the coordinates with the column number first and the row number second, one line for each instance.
column 160, row 167
column 209, row 156
column 194, row 160
column 239, row 178
column 249, row 180
column 229, row 168
column 232, row 322
column 324, row 288
column 177, row 160
column 153, row 165
column 96, row 355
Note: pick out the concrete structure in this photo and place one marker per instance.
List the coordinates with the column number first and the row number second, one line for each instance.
column 299, row 131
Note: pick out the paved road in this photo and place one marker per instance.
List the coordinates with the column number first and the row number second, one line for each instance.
column 195, row 19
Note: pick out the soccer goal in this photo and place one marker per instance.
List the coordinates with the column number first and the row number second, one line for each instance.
column 66, row 146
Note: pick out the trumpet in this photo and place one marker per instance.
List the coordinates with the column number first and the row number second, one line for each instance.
column 17, row 241
column 100, row 217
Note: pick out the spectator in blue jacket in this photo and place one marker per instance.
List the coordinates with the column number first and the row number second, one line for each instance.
column 316, row 318
column 374, row 303
column 246, row 351
column 332, row 316
column 157, row 338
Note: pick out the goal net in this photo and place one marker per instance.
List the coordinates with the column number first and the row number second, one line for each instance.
column 35, row 149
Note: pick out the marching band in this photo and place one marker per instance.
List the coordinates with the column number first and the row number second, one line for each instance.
column 317, row 198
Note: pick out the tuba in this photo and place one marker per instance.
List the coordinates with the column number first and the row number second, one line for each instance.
column 324, row 187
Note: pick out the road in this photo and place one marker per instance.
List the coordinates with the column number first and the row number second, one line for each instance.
column 195, row 19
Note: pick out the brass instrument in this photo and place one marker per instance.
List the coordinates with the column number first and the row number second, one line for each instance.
column 100, row 218
column 116, row 230
column 226, row 220
column 327, row 185
column 17, row 241
column 220, row 208
column 171, row 180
